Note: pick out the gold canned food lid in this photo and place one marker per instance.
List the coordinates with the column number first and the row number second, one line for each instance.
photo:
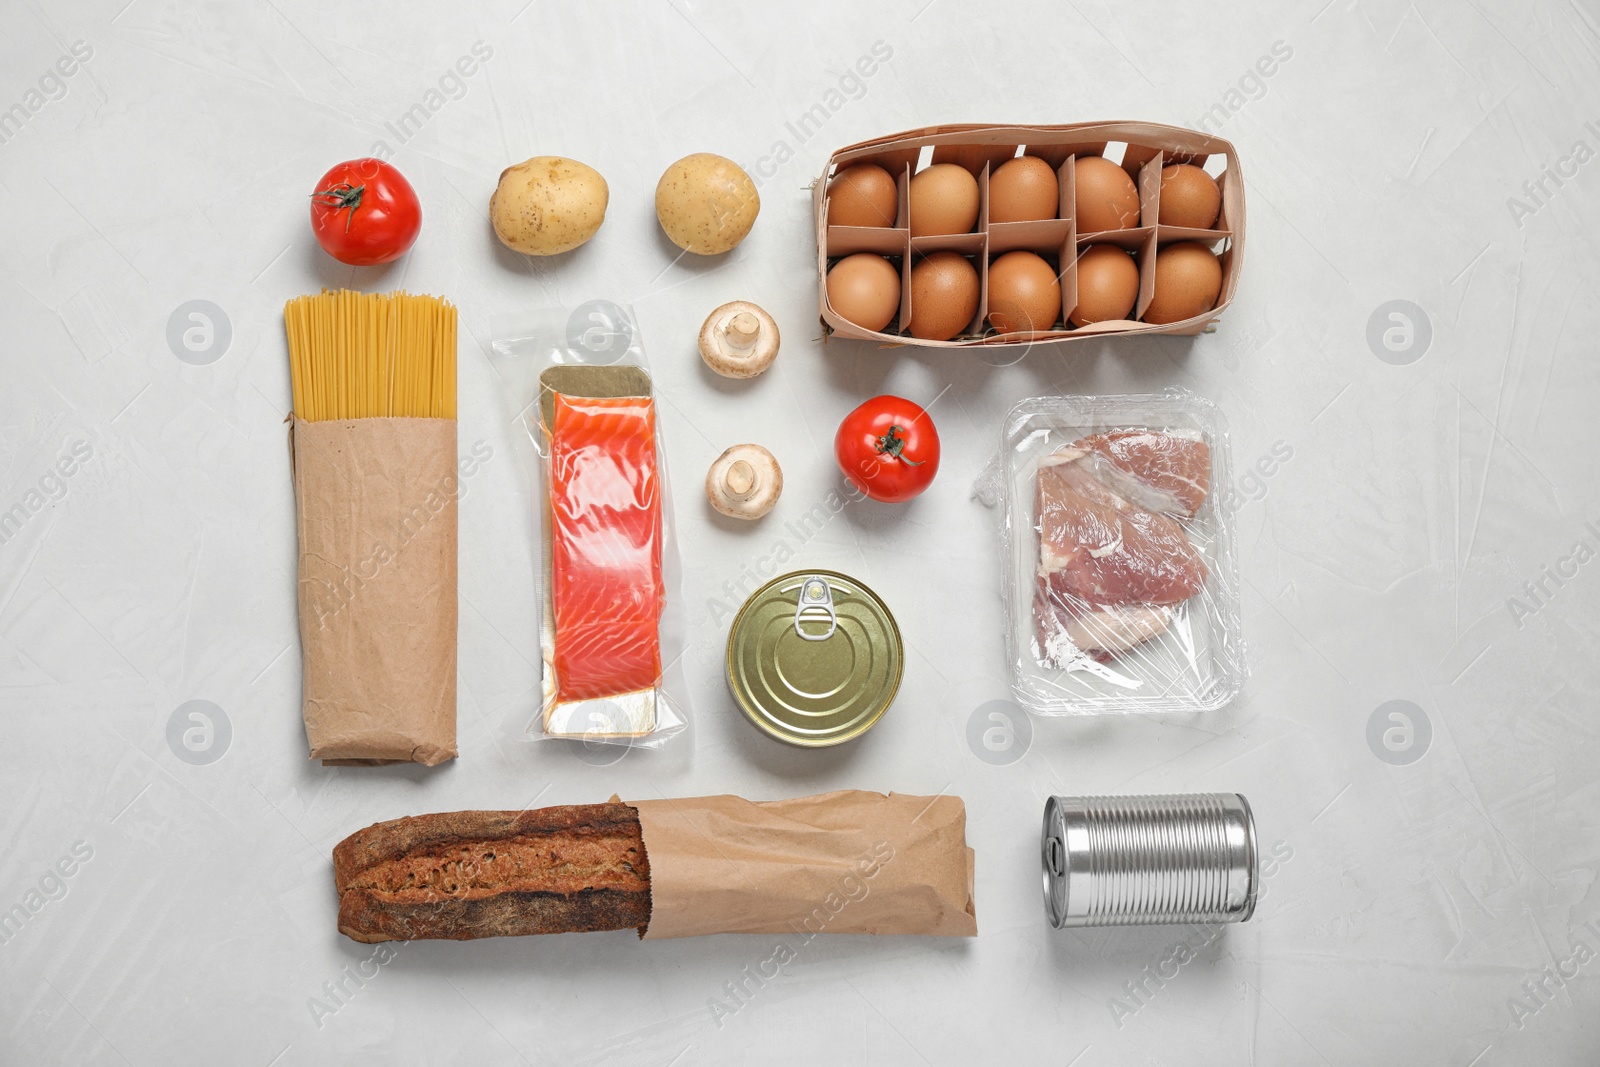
column 814, row 658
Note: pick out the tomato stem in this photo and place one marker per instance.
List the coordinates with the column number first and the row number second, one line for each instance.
column 341, row 197
column 893, row 445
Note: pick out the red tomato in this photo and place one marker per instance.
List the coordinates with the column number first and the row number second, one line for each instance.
column 888, row 449
column 365, row 212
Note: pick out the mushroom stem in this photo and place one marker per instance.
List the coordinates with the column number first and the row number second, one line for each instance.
column 744, row 482
column 740, row 481
column 742, row 330
column 738, row 340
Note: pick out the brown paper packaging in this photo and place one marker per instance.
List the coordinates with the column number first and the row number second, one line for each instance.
column 850, row 862
column 375, row 503
column 981, row 149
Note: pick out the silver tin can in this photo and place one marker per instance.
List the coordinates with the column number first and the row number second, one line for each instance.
column 1123, row 861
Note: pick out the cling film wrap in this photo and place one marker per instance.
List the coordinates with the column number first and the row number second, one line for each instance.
column 1121, row 582
column 578, row 382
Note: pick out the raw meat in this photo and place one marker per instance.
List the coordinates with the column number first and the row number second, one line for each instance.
column 1163, row 472
column 605, row 531
column 1113, row 561
column 1100, row 632
column 1096, row 547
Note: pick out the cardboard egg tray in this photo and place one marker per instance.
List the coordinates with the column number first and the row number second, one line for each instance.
column 981, row 148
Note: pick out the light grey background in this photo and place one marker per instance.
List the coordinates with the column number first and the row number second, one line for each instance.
column 1409, row 907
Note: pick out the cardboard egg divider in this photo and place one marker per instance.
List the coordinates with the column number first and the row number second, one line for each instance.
column 982, row 148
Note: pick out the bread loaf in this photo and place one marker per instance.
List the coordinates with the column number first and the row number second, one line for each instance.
column 468, row 874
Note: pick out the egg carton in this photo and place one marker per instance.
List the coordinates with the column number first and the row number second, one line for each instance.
column 1148, row 147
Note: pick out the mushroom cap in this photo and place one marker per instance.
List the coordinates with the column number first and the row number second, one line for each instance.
column 739, row 340
column 744, row 482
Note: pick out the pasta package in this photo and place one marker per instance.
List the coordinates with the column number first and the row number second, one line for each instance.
column 373, row 446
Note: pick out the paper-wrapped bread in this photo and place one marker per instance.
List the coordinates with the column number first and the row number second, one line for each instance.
column 845, row 862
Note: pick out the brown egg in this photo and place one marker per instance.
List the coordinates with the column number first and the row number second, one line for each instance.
column 1189, row 197
column 944, row 199
column 862, row 195
column 944, row 296
column 1024, row 293
column 1188, row 279
column 1108, row 285
column 972, row 157
column 865, row 289
column 1106, row 197
column 1023, row 190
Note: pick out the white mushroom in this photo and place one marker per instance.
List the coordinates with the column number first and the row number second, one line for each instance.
column 739, row 340
column 744, row 482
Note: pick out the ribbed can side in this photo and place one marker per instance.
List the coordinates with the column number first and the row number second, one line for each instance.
column 1187, row 858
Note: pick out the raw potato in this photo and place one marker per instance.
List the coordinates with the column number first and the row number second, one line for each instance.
column 706, row 203
column 548, row 205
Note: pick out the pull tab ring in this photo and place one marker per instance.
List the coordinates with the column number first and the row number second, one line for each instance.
column 815, row 604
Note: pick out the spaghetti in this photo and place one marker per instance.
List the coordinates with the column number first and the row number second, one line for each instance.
column 371, row 355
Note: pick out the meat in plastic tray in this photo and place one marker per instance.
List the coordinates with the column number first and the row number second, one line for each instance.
column 1122, row 587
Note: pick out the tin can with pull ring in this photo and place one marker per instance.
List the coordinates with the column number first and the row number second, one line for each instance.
column 814, row 658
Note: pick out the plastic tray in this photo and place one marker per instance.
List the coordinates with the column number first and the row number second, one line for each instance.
column 1197, row 662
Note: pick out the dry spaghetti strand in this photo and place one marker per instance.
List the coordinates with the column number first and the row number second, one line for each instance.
column 370, row 355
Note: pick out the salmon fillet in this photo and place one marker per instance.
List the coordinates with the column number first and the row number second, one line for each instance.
column 605, row 550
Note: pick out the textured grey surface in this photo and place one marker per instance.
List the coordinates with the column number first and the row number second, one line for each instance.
column 1396, row 554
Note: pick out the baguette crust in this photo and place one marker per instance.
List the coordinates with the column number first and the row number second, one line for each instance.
column 469, row 874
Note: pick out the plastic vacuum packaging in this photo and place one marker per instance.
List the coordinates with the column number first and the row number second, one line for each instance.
column 581, row 387
column 1121, row 584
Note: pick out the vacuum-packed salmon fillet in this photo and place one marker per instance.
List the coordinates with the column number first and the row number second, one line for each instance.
column 605, row 546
